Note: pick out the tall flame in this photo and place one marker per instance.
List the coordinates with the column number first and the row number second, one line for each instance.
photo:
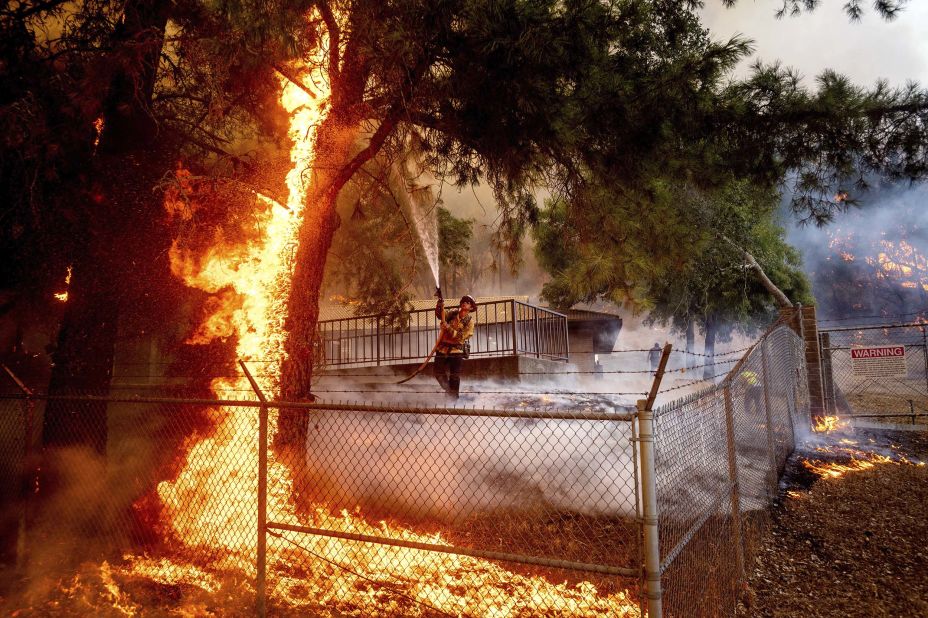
column 258, row 275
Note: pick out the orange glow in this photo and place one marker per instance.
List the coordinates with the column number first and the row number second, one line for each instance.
column 897, row 263
column 63, row 296
column 858, row 460
column 98, row 131
column 827, row 424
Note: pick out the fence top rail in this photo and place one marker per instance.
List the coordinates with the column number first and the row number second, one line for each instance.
column 872, row 327
column 568, row 415
column 540, row 308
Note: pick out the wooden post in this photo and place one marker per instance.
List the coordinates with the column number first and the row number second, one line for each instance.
column 803, row 322
column 261, row 561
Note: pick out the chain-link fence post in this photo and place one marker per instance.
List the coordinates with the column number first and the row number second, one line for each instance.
column 733, row 478
column 652, row 553
column 261, row 562
column 771, row 444
column 828, row 380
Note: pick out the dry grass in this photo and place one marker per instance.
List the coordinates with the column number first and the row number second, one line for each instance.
column 848, row 546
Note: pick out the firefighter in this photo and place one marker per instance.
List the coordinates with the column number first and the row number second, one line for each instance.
column 654, row 357
column 753, row 393
column 457, row 328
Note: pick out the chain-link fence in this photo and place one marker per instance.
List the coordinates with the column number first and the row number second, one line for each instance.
column 719, row 457
column 192, row 508
column 876, row 372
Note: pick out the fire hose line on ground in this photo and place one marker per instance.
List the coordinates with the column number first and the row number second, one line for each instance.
column 359, row 575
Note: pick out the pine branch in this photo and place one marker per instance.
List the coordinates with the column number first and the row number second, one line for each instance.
column 770, row 286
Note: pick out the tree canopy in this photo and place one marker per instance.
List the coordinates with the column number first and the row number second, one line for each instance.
column 615, row 108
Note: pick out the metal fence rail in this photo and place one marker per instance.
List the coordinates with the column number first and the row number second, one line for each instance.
column 389, row 511
column 503, row 328
column 852, row 389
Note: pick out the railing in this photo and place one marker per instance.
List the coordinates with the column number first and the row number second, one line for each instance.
column 504, row 328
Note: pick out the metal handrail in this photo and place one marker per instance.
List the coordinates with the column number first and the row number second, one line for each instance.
column 503, row 328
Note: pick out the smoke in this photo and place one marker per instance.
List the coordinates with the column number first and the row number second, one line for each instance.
column 94, row 512
column 850, row 277
column 449, row 467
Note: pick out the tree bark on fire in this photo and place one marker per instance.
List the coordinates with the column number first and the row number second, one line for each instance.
column 334, row 165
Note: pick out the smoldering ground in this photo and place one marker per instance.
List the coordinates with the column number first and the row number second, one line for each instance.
column 101, row 509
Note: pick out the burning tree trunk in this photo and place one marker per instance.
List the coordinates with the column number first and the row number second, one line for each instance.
column 332, row 168
column 336, row 162
column 119, row 207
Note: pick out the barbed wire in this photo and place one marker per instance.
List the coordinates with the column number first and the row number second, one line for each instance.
column 692, row 383
column 727, row 353
column 463, row 392
column 400, row 373
column 414, row 359
column 869, row 317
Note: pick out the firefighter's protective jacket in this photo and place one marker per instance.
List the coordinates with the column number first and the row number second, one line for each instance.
column 457, row 331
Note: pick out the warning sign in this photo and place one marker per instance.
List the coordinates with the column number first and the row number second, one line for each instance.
column 885, row 361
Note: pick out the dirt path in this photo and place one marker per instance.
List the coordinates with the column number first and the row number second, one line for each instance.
column 848, row 545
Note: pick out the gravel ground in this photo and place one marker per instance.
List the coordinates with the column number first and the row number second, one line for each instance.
column 851, row 545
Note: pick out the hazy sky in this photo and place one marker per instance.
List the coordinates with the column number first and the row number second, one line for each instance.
column 865, row 51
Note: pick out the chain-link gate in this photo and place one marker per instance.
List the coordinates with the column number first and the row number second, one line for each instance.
column 876, row 372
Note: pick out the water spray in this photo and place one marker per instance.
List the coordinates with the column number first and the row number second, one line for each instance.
column 441, row 331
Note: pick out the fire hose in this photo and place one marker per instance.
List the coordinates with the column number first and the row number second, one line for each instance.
column 441, row 333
